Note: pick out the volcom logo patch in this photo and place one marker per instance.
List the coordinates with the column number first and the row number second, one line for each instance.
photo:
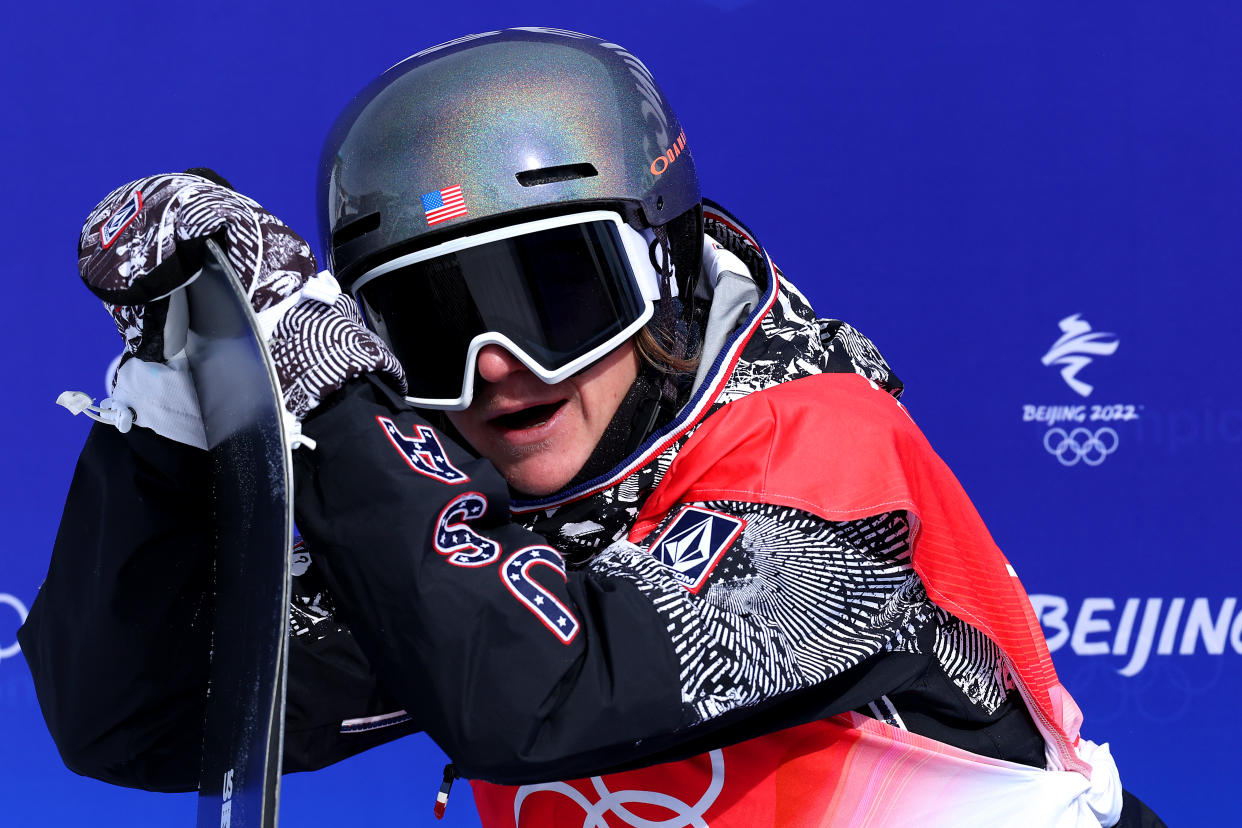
column 111, row 229
column 423, row 452
column 694, row 542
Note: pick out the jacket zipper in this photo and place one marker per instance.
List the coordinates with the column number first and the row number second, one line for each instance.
column 1069, row 758
column 450, row 773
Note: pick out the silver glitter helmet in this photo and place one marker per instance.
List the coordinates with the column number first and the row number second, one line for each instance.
column 491, row 124
column 449, row 185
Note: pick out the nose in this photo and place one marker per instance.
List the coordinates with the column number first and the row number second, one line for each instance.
column 494, row 363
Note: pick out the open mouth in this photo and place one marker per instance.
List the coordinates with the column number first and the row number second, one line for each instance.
column 532, row 417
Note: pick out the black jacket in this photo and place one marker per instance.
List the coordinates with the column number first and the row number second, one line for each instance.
column 515, row 634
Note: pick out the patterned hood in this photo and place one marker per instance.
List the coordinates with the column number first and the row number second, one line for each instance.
column 760, row 332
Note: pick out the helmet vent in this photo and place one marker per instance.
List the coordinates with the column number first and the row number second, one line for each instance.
column 547, row 175
column 355, row 229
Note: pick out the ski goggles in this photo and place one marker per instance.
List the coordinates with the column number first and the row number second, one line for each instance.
column 558, row 294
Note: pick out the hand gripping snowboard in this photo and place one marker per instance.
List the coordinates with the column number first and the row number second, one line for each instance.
column 240, row 399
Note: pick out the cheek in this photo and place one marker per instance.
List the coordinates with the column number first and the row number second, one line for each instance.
column 464, row 423
column 603, row 393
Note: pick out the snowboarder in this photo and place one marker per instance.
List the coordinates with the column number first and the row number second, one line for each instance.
column 596, row 500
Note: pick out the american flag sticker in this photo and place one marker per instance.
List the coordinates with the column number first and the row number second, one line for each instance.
column 442, row 205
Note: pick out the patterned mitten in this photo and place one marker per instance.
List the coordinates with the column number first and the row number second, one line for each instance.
column 147, row 240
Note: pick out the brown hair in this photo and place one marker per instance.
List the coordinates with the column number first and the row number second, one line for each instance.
column 650, row 343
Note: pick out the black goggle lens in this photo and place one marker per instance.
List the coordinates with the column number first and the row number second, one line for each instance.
column 556, row 293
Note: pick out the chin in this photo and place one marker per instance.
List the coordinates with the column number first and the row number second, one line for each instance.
column 540, row 479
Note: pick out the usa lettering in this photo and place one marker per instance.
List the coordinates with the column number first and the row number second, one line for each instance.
column 515, row 573
column 1139, row 628
column 423, row 452
column 463, row 545
column 226, row 806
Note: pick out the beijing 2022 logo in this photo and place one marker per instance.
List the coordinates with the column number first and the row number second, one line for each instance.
column 1080, row 433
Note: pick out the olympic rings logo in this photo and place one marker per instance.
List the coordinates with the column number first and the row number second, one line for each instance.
column 12, row 601
column 1081, row 444
column 685, row 816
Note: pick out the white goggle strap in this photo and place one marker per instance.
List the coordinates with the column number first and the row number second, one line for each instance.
column 638, row 250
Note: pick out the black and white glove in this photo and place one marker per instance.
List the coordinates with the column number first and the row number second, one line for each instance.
column 146, row 241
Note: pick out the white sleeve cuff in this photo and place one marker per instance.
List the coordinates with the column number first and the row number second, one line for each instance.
column 1104, row 796
column 162, row 398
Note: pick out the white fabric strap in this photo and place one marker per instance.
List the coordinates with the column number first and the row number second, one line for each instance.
column 322, row 288
column 293, row 431
column 638, row 250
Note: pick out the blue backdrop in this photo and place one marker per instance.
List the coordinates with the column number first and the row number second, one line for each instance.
column 1032, row 208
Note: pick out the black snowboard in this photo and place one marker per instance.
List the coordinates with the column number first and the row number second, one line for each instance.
column 240, row 399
